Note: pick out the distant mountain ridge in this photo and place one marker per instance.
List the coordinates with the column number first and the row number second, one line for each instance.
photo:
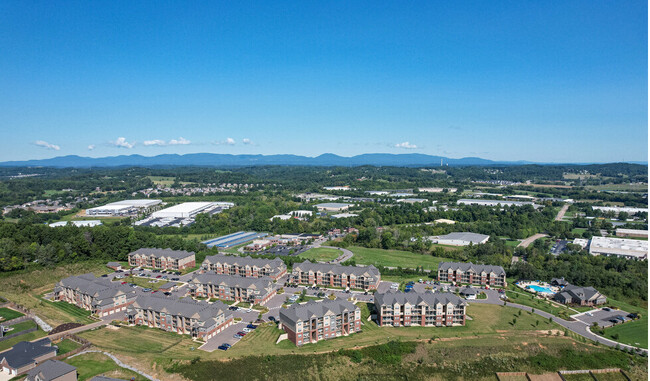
column 228, row 160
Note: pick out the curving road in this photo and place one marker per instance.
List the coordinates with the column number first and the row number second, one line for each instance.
column 578, row 327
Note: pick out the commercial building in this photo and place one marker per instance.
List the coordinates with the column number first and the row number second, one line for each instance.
column 165, row 259
column 245, row 266
column 333, row 207
column 437, row 190
column 26, row 355
column 469, row 273
column 233, row 239
column 618, row 209
column 82, row 223
column 338, row 188
column 428, row 309
column 189, row 209
column 444, row 221
column 584, row 296
column 320, row 320
column 331, row 275
column 460, row 239
column 231, row 287
column 412, row 200
column 297, row 214
column 100, row 296
column 500, row 203
column 344, row 215
column 52, row 370
column 122, row 208
column 200, row 320
column 636, row 233
column 620, row 247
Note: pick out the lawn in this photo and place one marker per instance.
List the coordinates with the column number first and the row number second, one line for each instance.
column 6, row 344
column 394, row 258
column 512, row 242
column 633, row 332
column 66, row 346
column 539, row 304
column 321, row 254
column 611, row 376
column 9, row 314
column 28, row 324
column 78, row 314
column 90, row 365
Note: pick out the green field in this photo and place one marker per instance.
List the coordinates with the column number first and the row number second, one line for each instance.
column 66, row 346
column 632, row 332
column 28, row 324
column 527, row 299
column 90, row 365
column 6, row 344
column 321, row 254
column 512, row 242
column 162, row 180
column 79, row 315
column 394, row 258
column 9, row 314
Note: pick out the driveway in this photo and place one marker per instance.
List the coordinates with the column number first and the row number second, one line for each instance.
column 226, row 336
column 599, row 316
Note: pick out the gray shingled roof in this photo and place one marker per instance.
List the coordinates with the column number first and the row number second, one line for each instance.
column 314, row 308
column 187, row 308
column 49, row 370
column 274, row 264
column 232, row 281
column 415, row 298
column 465, row 236
column 467, row 266
column 177, row 254
column 25, row 352
column 580, row 293
column 307, row 266
column 101, row 289
column 468, row 291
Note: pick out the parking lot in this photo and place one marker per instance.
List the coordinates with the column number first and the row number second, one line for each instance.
column 601, row 317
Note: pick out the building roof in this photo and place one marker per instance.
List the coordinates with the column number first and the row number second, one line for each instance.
column 559, row 281
column 176, row 254
column 307, row 266
column 468, row 291
column 465, row 236
column 101, row 289
column 333, row 205
column 188, row 308
column 24, row 352
column 316, row 309
column 632, row 231
column 232, row 281
column 275, row 264
column 619, row 246
column 416, row 298
column 49, row 370
column 444, row 266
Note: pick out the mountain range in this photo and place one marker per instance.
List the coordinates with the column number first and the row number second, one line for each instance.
column 226, row 160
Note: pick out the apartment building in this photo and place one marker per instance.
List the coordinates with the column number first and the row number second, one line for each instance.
column 200, row 320
column 245, row 266
column 320, row 320
column 232, row 287
column 331, row 275
column 428, row 309
column 100, row 296
column 469, row 273
column 165, row 259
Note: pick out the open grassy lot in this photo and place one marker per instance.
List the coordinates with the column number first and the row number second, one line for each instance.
column 26, row 288
column 162, row 180
column 66, row 346
column 145, row 282
column 611, row 376
column 321, row 254
column 516, row 295
column 619, row 187
column 578, row 377
column 78, row 314
column 29, row 324
column 9, row 314
column 90, row 365
column 394, row 258
column 6, row 344
column 632, row 332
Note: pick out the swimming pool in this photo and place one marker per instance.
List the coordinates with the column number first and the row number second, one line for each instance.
column 540, row 289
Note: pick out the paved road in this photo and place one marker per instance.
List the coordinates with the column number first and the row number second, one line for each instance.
column 531, row 239
column 560, row 214
column 579, row 327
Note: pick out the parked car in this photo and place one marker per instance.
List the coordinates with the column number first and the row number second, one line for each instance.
column 247, row 330
column 619, row 317
column 125, row 282
column 158, row 276
column 146, row 289
column 632, row 315
column 241, row 333
column 615, row 321
column 174, row 278
column 167, row 293
column 222, row 347
column 271, row 318
column 233, row 308
column 237, row 336
column 606, row 309
column 251, row 326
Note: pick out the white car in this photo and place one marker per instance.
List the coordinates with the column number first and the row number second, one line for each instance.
column 247, row 330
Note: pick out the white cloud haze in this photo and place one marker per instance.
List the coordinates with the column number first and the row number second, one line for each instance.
column 44, row 144
column 173, row 142
column 406, row 145
column 122, row 143
column 91, row 147
column 247, row 141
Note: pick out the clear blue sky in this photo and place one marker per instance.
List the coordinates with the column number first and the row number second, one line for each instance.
column 552, row 81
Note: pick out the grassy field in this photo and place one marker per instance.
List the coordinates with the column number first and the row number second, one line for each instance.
column 9, row 314
column 633, row 332
column 619, row 187
column 512, row 242
column 78, row 314
column 28, row 324
column 515, row 296
column 6, row 344
column 161, row 180
column 26, row 288
column 321, row 254
column 90, row 365
column 394, row 258
column 66, row 346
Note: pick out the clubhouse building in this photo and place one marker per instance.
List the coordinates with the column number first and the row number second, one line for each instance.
column 428, row 309
column 469, row 273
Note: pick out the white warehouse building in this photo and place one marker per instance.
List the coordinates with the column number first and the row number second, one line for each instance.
column 460, row 239
column 620, row 247
column 189, row 209
column 121, row 208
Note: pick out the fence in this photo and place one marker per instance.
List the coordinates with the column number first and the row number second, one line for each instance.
column 591, row 372
column 84, row 345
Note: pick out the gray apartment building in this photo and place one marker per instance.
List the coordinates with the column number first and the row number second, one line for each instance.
column 245, row 266
column 200, row 320
column 232, row 287
column 428, row 309
column 469, row 273
column 165, row 259
column 320, row 320
column 100, row 296
column 331, row 275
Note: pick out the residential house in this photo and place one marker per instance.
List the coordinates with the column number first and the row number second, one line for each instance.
column 334, row 275
column 469, row 273
column 584, row 296
column 232, row 287
column 26, row 355
column 428, row 309
column 245, row 266
column 52, row 370
column 100, row 296
column 165, row 259
column 320, row 320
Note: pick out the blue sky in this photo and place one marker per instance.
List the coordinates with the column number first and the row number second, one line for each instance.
column 551, row 81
